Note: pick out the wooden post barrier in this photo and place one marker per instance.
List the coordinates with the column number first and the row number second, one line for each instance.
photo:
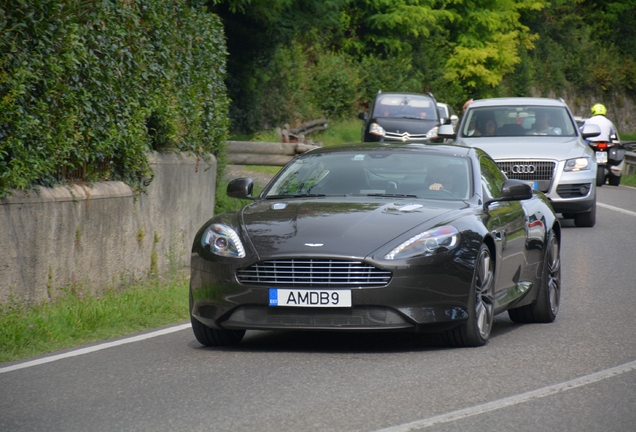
column 263, row 153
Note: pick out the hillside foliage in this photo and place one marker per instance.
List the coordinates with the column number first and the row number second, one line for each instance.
column 282, row 52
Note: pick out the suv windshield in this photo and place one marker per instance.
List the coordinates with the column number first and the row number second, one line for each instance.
column 517, row 121
column 409, row 106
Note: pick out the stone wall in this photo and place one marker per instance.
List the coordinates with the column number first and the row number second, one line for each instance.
column 102, row 235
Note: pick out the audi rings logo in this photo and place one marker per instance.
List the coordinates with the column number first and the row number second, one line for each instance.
column 524, row 169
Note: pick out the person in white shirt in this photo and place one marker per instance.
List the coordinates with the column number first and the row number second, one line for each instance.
column 607, row 127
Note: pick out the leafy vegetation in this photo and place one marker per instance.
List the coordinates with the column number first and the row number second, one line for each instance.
column 282, row 50
column 88, row 88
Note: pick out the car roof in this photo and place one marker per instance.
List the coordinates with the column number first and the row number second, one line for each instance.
column 428, row 95
column 516, row 101
column 444, row 149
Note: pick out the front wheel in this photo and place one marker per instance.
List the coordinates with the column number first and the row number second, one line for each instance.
column 213, row 337
column 546, row 306
column 600, row 175
column 476, row 331
column 587, row 219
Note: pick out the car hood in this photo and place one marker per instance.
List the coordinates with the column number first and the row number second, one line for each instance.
column 400, row 125
column 347, row 228
column 552, row 148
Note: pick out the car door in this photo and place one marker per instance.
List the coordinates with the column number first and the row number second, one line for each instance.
column 508, row 226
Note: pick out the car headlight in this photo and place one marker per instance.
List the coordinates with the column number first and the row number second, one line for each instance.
column 376, row 129
column 578, row 164
column 223, row 240
column 432, row 134
column 437, row 240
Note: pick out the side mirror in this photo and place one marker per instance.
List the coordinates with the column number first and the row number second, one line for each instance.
column 513, row 190
column 446, row 131
column 241, row 188
column 454, row 120
column 362, row 116
column 590, row 131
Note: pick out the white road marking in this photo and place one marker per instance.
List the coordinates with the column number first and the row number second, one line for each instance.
column 91, row 349
column 418, row 424
column 513, row 400
column 618, row 209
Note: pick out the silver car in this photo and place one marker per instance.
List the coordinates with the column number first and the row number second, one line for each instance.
column 536, row 140
column 447, row 113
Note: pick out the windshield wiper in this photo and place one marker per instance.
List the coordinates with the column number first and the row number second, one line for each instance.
column 303, row 195
column 393, row 195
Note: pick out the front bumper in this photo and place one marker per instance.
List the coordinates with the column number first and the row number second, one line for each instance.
column 568, row 191
column 410, row 302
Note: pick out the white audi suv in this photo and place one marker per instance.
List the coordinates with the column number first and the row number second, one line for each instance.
column 536, row 140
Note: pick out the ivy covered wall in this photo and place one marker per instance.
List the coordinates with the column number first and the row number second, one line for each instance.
column 88, row 87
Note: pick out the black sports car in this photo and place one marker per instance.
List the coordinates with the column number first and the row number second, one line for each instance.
column 369, row 237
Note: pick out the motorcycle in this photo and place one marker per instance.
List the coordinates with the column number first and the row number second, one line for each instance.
column 610, row 157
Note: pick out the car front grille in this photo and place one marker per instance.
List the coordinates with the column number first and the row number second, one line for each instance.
column 528, row 170
column 404, row 137
column 313, row 273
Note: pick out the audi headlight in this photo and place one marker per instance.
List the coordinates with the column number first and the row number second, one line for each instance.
column 430, row 242
column 223, row 240
column 376, row 129
column 578, row 164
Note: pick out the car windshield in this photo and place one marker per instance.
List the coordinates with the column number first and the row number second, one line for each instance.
column 375, row 173
column 517, row 121
column 406, row 106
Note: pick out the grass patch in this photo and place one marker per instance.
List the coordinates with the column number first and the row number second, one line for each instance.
column 629, row 180
column 78, row 317
column 344, row 131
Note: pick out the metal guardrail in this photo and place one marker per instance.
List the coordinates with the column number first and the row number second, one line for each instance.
column 630, row 163
column 630, row 158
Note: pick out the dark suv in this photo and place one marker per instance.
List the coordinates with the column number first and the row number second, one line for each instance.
column 404, row 117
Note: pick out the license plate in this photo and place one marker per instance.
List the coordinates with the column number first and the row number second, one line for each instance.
column 601, row 157
column 309, row 298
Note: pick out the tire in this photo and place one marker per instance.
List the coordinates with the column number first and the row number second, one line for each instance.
column 546, row 306
column 210, row 337
column 476, row 331
column 614, row 180
column 600, row 176
column 587, row 220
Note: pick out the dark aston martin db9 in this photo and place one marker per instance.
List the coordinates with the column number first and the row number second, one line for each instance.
column 371, row 237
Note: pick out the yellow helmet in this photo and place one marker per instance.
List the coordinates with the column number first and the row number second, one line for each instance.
column 599, row 109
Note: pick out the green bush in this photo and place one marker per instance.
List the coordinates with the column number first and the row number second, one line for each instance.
column 88, row 88
column 334, row 86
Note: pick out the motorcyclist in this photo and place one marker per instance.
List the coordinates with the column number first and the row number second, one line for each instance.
column 608, row 130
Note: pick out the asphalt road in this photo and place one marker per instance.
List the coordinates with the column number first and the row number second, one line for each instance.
column 576, row 374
